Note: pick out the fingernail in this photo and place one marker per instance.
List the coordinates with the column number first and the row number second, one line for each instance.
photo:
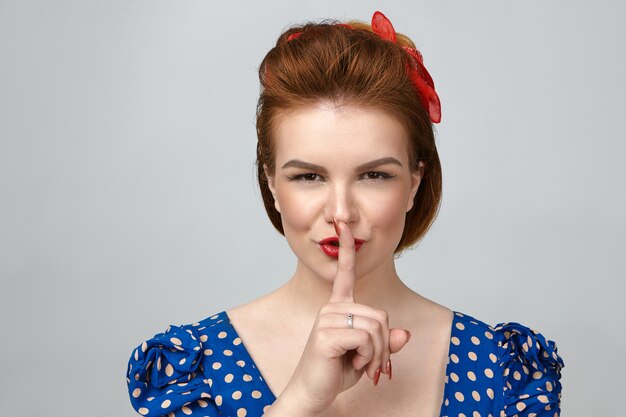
column 336, row 227
column 409, row 336
column 389, row 370
column 376, row 376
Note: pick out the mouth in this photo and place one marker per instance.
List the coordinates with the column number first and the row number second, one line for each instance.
column 330, row 246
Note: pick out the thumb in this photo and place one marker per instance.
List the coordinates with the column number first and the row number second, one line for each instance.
column 398, row 338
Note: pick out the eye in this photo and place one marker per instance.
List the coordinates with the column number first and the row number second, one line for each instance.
column 377, row 175
column 307, row 177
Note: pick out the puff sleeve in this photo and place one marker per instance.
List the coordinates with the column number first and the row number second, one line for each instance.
column 531, row 371
column 165, row 375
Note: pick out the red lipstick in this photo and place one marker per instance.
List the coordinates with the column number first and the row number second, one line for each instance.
column 330, row 245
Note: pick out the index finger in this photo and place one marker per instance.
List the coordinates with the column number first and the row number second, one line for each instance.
column 343, row 285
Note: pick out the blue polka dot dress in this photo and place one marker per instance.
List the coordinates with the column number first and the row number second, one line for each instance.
column 203, row 369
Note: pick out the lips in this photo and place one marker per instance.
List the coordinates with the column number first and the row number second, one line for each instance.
column 330, row 246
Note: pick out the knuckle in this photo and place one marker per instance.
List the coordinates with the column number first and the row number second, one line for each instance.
column 375, row 326
column 364, row 337
column 383, row 316
column 323, row 335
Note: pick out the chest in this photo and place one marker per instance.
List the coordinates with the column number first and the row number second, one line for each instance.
column 416, row 389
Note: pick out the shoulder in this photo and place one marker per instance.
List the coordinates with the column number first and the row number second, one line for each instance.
column 509, row 362
column 187, row 367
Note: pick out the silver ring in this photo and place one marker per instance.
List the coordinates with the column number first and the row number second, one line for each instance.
column 350, row 321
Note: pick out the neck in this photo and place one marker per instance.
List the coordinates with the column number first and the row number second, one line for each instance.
column 380, row 288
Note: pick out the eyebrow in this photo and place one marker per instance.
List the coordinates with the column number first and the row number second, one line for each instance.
column 296, row 163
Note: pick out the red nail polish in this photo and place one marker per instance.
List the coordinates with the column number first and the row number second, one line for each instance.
column 389, row 370
column 376, row 376
column 336, row 227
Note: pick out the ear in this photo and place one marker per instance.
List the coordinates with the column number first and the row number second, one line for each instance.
column 270, row 185
column 416, row 179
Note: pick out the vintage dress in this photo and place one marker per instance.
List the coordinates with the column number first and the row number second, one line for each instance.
column 203, row 369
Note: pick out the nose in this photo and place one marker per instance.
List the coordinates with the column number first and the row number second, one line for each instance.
column 341, row 205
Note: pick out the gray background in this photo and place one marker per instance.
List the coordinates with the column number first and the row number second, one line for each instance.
column 128, row 199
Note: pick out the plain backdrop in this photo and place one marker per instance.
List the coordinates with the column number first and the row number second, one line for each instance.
column 128, row 199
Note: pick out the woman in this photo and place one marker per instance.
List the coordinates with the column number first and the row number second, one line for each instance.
column 349, row 173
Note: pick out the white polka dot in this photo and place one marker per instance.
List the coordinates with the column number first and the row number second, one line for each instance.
column 256, row 394
column 537, row 375
column 136, row 354
column 143, row 411
column 166, row 404
column 216, row 365
column 136, row 392
column 488, row 373
column 488, row 335
column 208, row 352
column 472, row 356
column 176, row 341
column 471, row 375
column 455, row 341
column 454, row 358
column 228, row 352
column 203, row 403
column 169, row 370
column 454, row 377
column 475, row 414
column 520, row 406
column 204, row 338
column 241, row 363
column 242, row 412
column 236, row 395
column 493, row 358
column 490, row 393
column 549, row 386
column 517, row 375
column 229, row 378
column 186, row 410
column 144, row 346
column 475, row 340
column 460, row 326
column 218, row 400
column 543, row 399
column 247, row 378
column 182, row 361
column 237, row 341
column 222, row 335
column 476, row 395
column 459, row 396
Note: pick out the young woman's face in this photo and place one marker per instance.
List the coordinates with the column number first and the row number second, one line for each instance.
column 348, row 163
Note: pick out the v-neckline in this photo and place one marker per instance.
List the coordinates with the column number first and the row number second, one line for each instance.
column 271, row 394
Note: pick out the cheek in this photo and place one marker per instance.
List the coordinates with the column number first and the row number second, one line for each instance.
column 388, row 211
column 298, row 210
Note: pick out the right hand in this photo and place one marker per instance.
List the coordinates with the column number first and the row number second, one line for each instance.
column 335, row 357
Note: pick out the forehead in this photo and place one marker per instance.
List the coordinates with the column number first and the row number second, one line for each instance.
column 325, row 131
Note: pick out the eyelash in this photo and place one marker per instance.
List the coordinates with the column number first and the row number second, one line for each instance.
column 382, row 176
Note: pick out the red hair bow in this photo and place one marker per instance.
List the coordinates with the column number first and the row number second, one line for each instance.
column 417, row 72
column 419, row 76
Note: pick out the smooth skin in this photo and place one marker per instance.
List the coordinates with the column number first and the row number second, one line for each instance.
column 348, row 164
column 336, row 357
